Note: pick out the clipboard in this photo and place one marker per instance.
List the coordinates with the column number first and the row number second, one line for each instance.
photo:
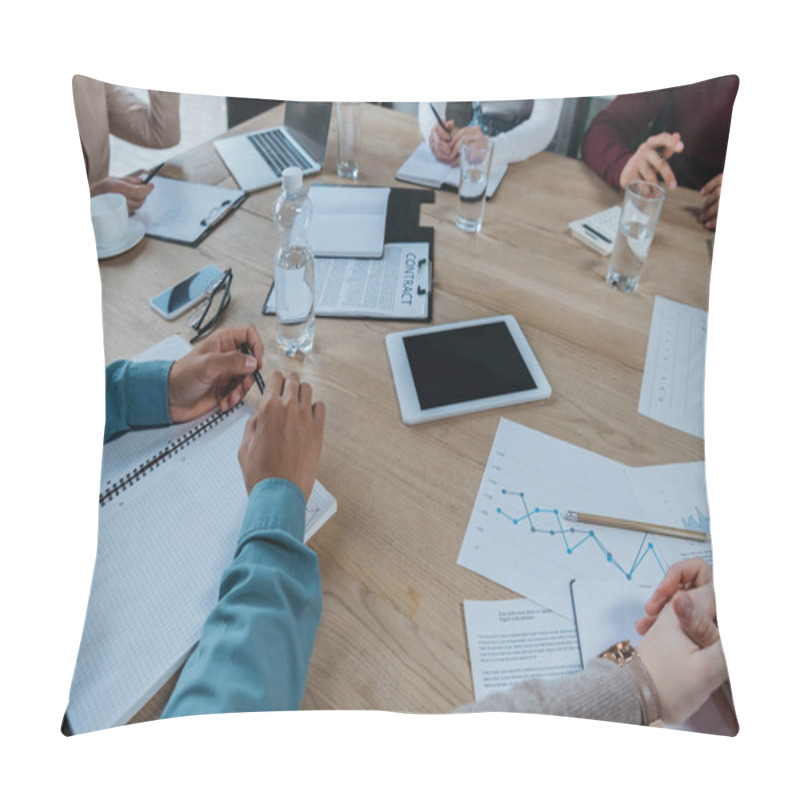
column 183, row 212
column 404, row 238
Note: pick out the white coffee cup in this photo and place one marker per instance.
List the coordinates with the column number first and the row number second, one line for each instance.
column 109, row 219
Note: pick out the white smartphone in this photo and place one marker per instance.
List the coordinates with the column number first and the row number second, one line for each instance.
column 189, row 292
column 463, row 367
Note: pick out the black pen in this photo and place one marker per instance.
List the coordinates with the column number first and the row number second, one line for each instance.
column 597, row 233
column 257, row 375
column 439, row 119
column 153, row 172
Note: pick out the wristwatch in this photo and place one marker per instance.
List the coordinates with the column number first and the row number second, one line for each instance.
column 624, row 654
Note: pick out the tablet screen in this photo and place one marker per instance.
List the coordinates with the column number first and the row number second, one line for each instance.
column 462, row 364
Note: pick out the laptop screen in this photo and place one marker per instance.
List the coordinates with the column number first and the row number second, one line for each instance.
column 309, row 123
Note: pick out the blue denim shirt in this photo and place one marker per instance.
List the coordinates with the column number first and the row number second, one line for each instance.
column 255, row 646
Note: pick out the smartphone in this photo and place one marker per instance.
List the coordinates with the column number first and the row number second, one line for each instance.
column 189, row 292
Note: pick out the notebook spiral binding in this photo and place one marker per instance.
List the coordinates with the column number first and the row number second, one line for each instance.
column 171, row 449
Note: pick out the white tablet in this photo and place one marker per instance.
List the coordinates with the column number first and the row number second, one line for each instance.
column 463, row 367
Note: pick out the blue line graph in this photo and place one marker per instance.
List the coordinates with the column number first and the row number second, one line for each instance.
column 584, row 536
column 701, row 522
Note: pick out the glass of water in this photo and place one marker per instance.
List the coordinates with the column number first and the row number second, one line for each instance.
column 641, row 209
column 348, row 126
column 476, row 161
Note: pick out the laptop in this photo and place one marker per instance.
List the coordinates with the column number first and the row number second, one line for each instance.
column 256, row 160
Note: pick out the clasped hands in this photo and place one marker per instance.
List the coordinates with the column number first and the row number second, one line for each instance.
column 681, row 647
column 283, row 439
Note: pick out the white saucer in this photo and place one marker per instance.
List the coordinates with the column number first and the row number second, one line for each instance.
column 133, row 236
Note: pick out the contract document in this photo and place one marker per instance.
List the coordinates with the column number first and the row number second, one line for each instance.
column 397, row 286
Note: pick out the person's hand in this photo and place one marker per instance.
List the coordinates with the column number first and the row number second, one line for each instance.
column 133, row 189
column 215, row 373
column 283, row 439
column 472, row 136
column 684, row 672
column 651, row 161
column 711, row 192
column 441, row 143
column 687, row 574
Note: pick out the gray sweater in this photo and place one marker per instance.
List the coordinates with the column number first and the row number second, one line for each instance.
column 603, row 691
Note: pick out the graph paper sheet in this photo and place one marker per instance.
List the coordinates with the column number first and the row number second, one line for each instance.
column 673, row 384
column 517, row 535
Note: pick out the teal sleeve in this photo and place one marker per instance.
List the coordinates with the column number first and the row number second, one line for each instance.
column 255, row 646
column 136, row 396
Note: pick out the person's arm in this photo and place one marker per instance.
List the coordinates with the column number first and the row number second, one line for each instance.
column 614, row 134
column 682, row 664
column 602, row 691
column 215, row 373
column 154, row 124
column 256, row 644
column 531, row 136
column 136, row 396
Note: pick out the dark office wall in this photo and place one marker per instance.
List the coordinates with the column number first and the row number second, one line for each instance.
column 243, row 108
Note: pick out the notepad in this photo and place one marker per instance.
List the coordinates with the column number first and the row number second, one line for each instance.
column 424, row 169
column 172, row 501
column 598, row 230
column 348, row 221
column 185, row 212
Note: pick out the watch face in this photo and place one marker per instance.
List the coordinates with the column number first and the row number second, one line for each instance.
column 620, row 652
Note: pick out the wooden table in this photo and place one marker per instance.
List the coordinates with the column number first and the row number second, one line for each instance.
column 392, row 635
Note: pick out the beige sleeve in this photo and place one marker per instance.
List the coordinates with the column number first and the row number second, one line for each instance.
column 153, row 124
column 603, row 691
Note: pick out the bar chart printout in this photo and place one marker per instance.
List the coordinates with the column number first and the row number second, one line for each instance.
column 518, row 537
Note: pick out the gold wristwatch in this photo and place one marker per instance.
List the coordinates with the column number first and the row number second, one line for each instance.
column 624, row 654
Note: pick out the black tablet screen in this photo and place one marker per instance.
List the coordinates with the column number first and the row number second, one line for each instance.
column 463, row 364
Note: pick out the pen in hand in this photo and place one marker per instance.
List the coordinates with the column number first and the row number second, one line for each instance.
column 153, row 172
column 439, row 119
column 257, row 375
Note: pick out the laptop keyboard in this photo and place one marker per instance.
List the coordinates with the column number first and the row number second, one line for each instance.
column 278, row 151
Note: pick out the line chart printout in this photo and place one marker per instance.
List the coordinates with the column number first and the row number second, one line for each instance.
column 517, row 535
column 673, row 383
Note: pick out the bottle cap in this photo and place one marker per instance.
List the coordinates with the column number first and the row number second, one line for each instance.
column 292, row 179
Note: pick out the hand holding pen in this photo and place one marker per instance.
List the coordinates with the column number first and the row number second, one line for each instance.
column 441, row 140
column 217, row 372
column 153, row 172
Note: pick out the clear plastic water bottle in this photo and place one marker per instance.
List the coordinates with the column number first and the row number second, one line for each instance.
column 294, row 267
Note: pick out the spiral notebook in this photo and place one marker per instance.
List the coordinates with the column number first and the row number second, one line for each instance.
column 171, row 505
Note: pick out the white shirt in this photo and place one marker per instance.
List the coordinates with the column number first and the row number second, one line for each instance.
column 527, row 139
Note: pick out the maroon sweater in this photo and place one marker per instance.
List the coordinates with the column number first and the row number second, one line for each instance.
column 699, row 112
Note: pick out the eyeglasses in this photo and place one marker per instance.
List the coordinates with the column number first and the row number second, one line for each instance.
column 218, row 299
